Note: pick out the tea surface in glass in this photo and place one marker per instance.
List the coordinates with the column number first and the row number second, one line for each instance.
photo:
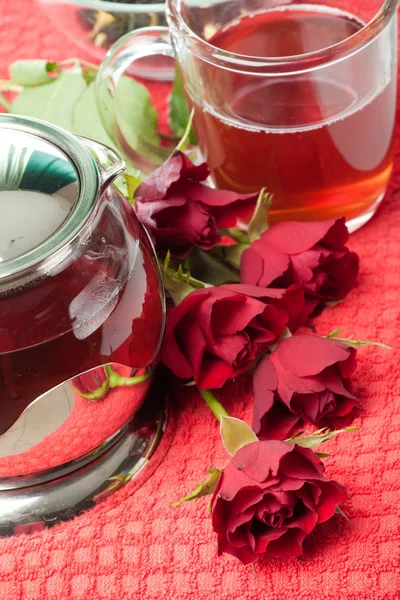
column 321, row 141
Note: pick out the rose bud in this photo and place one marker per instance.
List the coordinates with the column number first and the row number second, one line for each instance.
column 312, row 254
column 304, row 380
column 216, row 333
column 181, row 212
column 269, row 498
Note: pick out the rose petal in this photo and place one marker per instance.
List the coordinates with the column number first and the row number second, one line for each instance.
column 332, row 494
column 156, row 186
column 306, row 521
column 225, row 206
column 233, row 314
column 234, row 480
column 263, row 540
column 302, row 463
column 287, row 546
column 260, row 460
column 261, row 264
column 214, row 373
column 293, row 237
column 305, row 355
column 276, row 424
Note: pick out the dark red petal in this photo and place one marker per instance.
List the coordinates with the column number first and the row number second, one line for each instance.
column 347, row 367
column 214, row 373
column 225, row 206
column 191, row 171
column 306, row 521
column 156, row 186
column 232, row 481
column 251, row 266
column 230, row 315
column 287, row 546
column 302, row 463
column 263, row 540
column 260, row 460
column 338, row 235
column 332, row 494
column 245, row 554
column 305, row 355
column 261, row 264
column 275, row 424
column 293, row 237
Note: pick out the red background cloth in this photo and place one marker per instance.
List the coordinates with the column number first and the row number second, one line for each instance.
column 138, row 546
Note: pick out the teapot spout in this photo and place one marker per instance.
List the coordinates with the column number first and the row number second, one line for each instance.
column 109, row 162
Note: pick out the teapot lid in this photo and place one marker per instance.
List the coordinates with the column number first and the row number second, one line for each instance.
column 49, row 184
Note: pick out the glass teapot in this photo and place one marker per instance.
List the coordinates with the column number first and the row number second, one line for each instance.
column 81, row 323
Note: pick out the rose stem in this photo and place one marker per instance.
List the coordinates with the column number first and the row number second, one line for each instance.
column 216, row 407
column 116, row 380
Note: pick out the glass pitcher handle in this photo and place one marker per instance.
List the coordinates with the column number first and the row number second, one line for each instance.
column 145, row 42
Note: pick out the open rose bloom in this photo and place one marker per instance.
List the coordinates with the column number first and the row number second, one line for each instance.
column 269, row 498
column 305, row 380
column 313, row 254
column 216, row 333
column 180, row 211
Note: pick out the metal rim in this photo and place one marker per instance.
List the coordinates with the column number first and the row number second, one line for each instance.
column 89, row 184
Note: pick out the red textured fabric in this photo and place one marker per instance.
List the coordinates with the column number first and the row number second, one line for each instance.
column 139, row 547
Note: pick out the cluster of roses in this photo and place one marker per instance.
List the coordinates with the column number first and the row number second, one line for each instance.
column 273, row 492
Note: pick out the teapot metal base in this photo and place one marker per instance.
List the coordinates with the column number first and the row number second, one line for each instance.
column 133, row 455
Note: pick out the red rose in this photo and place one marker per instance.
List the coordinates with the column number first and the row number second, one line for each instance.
column 305, row 380
column 180, row 212
column 269, row 498
column 313, row 254
column 216, row 333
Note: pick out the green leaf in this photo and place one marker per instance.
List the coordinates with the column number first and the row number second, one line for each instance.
column 178, row 110
column 89, row 74
column 235, row 434
column 233, row 254
column 32, row 72
column 5, row 103
column 259, row 221
column 203, row 489
column 318, row 437
column 186, row 136
column 86, row 119
column 132, row 182
column 54, row 101
column 211, row 268
column 137, row 120
column 51, row 67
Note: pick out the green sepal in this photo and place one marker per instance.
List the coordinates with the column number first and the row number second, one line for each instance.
column 339, row 511
column 353, row 343
column 318, row 437
column 259, row 221
column 203, row 489
column 235, row 434
column 177, row 281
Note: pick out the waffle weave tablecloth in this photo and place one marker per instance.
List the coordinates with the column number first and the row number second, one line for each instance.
column 136, row 546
